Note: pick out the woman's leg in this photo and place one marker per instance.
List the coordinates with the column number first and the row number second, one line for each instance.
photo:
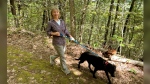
column 61, row 52
column 53, row 57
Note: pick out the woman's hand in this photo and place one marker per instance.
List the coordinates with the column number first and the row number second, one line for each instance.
column 71, row 38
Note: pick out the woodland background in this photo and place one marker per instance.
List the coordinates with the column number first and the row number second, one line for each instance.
column 98, row 23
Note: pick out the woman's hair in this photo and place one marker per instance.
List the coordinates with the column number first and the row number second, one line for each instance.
column 55, row 8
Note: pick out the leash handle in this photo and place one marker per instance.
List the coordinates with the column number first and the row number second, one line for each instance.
column 75, row 41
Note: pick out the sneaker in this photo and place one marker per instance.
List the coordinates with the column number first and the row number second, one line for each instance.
column 66, row 72
column 51, row 61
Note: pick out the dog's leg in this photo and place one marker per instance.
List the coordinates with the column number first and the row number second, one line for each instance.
column 106, row 72
column 90, row 67
column 79, row 64
column 94, row 73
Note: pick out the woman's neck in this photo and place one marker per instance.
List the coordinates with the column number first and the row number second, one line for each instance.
column 56, row 19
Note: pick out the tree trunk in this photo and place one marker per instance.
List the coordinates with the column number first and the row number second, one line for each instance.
column 61, row 5
column 114, row 26
column 48, row 10
column 92, row 24
column 19, row 6
column 46, row 14
column 86, row 3
column 126, row 22
column 108, row 23
column 43, row 21
column 128, row 17
column 126, row 60
column 72, row 18
column 131, row 35
column 13, row 11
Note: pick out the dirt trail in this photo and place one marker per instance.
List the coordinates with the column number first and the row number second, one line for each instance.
column 42, row 47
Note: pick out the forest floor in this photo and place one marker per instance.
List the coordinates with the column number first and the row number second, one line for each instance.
column 28, row 63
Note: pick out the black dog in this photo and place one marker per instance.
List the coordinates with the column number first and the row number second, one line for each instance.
column 99, row 64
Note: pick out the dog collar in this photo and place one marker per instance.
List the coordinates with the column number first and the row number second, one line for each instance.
column 106, row 63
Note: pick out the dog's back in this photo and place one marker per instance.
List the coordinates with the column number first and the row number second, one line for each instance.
column 96, row 61
column 83, row 56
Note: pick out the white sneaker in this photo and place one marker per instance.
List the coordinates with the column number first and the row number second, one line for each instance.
column 51, row 61
column 66, row 72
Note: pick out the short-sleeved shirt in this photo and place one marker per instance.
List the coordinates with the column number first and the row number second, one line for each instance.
column 53, row 26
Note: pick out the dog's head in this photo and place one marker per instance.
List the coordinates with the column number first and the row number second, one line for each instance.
column 83, row 57
column 112, row 69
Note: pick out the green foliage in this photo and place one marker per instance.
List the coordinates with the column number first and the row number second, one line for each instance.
column 121, row 44
column 31, row 18
column 117, row 38
column 133, row 71
column 95, row 45
column 131, row 45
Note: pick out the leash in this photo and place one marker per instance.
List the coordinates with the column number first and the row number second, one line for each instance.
column 83, row 46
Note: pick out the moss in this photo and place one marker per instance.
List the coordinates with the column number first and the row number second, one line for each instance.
column 31, row 70
column 24, row 75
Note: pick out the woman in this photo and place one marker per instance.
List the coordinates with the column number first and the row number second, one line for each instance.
column 56, row 28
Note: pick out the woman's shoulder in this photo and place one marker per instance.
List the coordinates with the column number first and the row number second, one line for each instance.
column 61, row 20
column 50, row 21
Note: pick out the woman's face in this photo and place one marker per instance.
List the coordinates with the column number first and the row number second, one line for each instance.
column 55, row 14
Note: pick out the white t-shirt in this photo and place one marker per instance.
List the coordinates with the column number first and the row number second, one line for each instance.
column 58, row 22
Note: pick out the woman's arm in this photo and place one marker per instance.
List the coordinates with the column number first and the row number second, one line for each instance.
column 55, row 33
column 49, row 32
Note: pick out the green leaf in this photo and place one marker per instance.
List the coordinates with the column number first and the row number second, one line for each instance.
column 122, row 45
column 131, row 45
column 133, row 71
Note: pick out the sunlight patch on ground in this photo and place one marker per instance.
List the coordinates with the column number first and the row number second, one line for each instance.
column 76, row 72
column 57, row 60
